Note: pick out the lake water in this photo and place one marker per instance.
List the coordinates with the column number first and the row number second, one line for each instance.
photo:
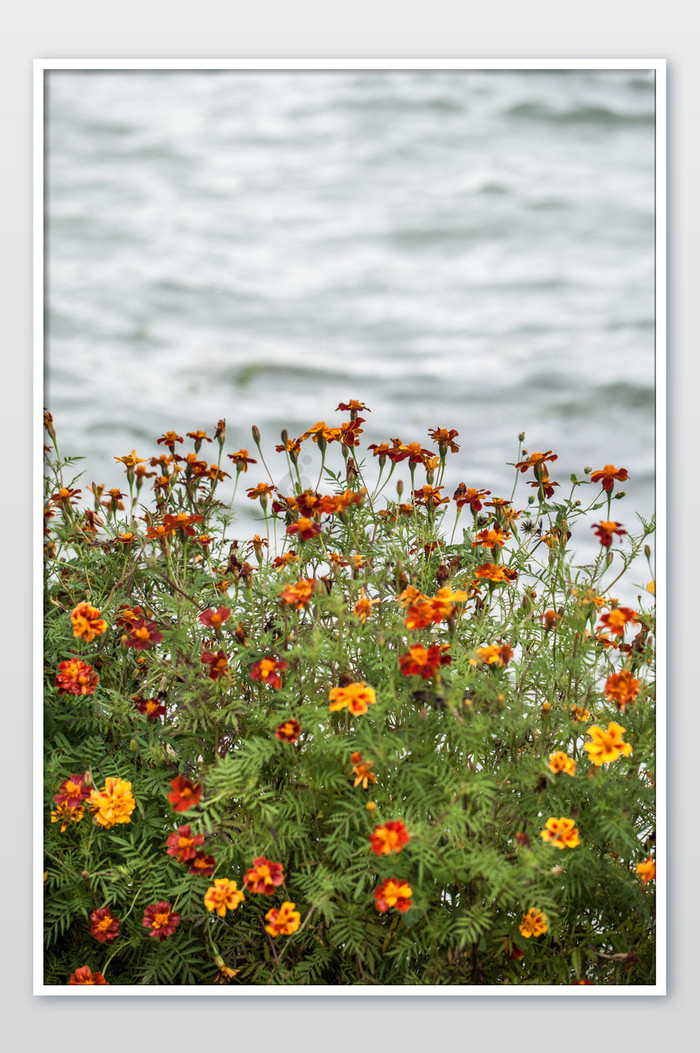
column 459, row 249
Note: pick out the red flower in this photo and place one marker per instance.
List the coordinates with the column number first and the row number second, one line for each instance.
column 214, row 619
column 298, row 595
column 288, row 731
column 264, row 876
column 267, row 671
column 469, row 496
column 84, row 975
column 202, row 864
column 218, row 664
column 393, row 892
column 605, row 531
column 621, row 688
column 535, row 461
column 183, row 844
column 103, row 926
column 185, row 794
column 305, row 528
column 159, row 918
column 391, row 837
column 150, row 707
column 141, row 635
column 74, row 791
column 424, row 663
column 606, row 476
column 169, row 439
column 617, row 619
column 76, row 678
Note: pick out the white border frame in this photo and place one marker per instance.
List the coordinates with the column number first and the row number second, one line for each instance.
column 41, row 67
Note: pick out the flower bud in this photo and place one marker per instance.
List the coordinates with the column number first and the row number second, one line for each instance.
column 256, row 435
column 220, row 434
column 399, row 487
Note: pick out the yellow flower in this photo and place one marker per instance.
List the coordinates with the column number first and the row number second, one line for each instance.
column 560, row 762
column 647, row 870
column 222, row 896
column 534, row 923
column 607, row 746
column 113, row 804
column 562, row 833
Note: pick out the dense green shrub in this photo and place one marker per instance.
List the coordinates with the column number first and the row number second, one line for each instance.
column 399, row 699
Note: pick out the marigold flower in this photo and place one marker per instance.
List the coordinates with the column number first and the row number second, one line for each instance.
column 202, row 864
column 341, row 502
column 124, row 539
column 393, row 892
column 353, row 406
column 361, row 768
column 430, row 497
column 224, row 974
column 264, row 876
column 161, row 920
column 580, row 713
column 464, row 495
column 130, row 459
column 74, row 790
column 647, row 870
column 321, row 429
column 290, row 446
column 305, row 528
column 284, row 561
column 267, row 671
column 142, row 635
column 283, row 921
column 550, row 619
column 184, row 794
column 84, row 975
column 222, row 896
column 288, row 730
column 534, row 923
column 241, row 459
column 182, row 522
column 103, row 926
column 495, row 572
column 87, row 623
column 169, row 439
column 356, row 697
column 113, row 804
column 494, row 655
column 64, row 496
column 622, row 689
column 559, row 762
column 607, row 475
column 444, row 439
column 617, row 619
column 198, row 436
column 419, row 661
column 391, row 837
column 65, row 815
column 363, row 608
column 494, row 538
column 606, row 746
column 76, row 678
column 150, row 707
column 214, row 619
column 298, row 595
column 605, row 530
column 536, row 460
column 562, row 833
column 218, row 664
column 183, row 844
column 544, row 483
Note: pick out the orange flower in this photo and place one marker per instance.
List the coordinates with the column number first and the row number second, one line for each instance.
column 183, row 844
column 113, row 804
column 282, row 922
column 305, row 528
column 534, row 923
column 241, row 460
column 283, row 561
column 84, row 975
column 262, row 491
column 353, row 406
column 264, row 876
column 161, row 920
column 494, row 655
column 647, row 870
column 267, row 671
column 426, row 610
column 444, row 439
column 357, row 697
column 288, row 731
column 393, row 892
column 536, row 461
column 184, row 794
column 559, row 762
column 605, row 530
column 222, row 896
column 496, row 573
column 550, row 619
column 169, row 439
column 430, row 496
column 218, row 664
column 298, row 595
column 150, row 707
column 202, row 864
column 87, row 623
column 545, row 483
column 607, row 746
column 214, row 619
column 464, row 495
column 103, row 926
column 607, row 475
column 64, row 496
column 622, row 689
column 65, row 815
column 391, row 837
column 130, row 459
column 363, row 608
column 562, row 833
column 617, row 619
column 322, row 430
column 419, row 661
column 494, row 538
column 361, row 769
column 76, row 678
column 580, row 713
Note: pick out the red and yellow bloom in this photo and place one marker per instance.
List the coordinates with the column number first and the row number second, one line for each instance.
column 424, row 662
column 283, row 921
column 393, row 892
column 264, row 876
column 184, row 794
column 607, row 746
column 267, row 671
column 76, row 678
column 606, row 476
column 161, row 920
column 605, row 531
column 113, row 804
column 183, row 844
column 391, row 837
column 560, row 762
column 84, row 975
column 288, row 730
column 87, row 623
column 622, row 689
column 222, row 896
column 103, row 926
column 561, row 833
column 534, row 923
column 355, row 697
